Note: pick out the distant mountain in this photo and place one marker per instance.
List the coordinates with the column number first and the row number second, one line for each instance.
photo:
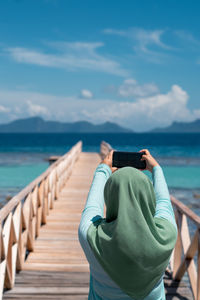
column 38, row 125
column 181, row 127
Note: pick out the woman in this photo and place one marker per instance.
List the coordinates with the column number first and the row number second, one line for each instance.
column 129, row 250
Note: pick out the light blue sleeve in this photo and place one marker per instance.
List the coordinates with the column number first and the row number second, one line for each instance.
column 164, row 207
column 94, row 207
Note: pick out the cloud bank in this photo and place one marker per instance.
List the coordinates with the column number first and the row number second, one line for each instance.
column 142, row 114
column 131, row 88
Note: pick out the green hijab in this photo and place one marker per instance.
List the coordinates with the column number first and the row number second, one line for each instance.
column 131, row 245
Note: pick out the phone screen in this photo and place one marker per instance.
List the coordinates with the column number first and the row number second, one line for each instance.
column 131, row 159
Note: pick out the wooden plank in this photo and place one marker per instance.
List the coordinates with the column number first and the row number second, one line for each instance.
column 48, row 297
column 50, row 290
column 57, row 267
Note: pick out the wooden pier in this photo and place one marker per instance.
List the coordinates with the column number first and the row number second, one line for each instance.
column 40, row 254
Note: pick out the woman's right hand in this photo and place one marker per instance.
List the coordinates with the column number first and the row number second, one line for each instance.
column 150, row 161
column 108, row 161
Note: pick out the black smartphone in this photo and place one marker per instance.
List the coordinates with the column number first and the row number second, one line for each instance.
column 128, row 159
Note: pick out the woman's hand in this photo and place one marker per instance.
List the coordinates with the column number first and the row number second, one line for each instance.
column 150, row 161
column 108, row 161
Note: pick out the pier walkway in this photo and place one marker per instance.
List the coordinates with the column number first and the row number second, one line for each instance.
column 44, row 249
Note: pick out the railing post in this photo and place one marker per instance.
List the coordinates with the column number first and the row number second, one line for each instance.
column 178, row 246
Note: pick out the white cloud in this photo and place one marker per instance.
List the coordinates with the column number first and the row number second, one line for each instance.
column 4, row 109
column 188, row 42
column 69, row 56
column 131, row 88
column 188, row 37
column 146, row 43
column 144, row 113
column 35, row 109
column 142, row 36
column 196, row 113
column 86, row 94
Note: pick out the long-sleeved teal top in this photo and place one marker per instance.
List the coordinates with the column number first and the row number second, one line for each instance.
column 102, row 286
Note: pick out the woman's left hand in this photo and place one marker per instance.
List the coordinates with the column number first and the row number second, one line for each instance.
column 108, row 161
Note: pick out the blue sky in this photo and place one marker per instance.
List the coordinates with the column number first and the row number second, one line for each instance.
column 136, row 63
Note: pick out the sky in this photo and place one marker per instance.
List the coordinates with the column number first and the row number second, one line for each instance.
column 135, row 63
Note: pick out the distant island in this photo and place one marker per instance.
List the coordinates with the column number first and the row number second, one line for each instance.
column 180, row 127
column 38, row 125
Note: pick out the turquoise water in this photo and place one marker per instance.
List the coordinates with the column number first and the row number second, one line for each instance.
column 14, row 177
column 23, row 157
column 20, row 175
column 182, row 176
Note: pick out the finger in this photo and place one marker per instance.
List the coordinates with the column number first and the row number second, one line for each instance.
column 110, row 153
column 110, row 157
column 144, row 157
column 143, row 150
column 146, row 151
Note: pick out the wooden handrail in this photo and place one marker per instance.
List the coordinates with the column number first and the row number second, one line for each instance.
column 185, row 244
column 186, row 210
column 22, row 217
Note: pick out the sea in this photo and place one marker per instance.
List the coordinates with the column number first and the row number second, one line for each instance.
column 25, row 156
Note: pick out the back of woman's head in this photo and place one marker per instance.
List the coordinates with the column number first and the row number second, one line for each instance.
column 127, row 189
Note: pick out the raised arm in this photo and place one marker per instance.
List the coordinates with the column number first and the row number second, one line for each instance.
column 94, row 206
column 95, row 201
column 164, row 207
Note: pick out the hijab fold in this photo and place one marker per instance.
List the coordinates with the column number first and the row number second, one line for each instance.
column 131, row 245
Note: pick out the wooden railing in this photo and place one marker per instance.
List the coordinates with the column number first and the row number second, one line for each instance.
column 186, row 247
column 22, row 217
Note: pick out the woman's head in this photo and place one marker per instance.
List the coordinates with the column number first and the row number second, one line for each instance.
column 128, row 188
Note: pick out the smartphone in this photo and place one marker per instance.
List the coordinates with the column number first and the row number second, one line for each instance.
column 131, row 159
